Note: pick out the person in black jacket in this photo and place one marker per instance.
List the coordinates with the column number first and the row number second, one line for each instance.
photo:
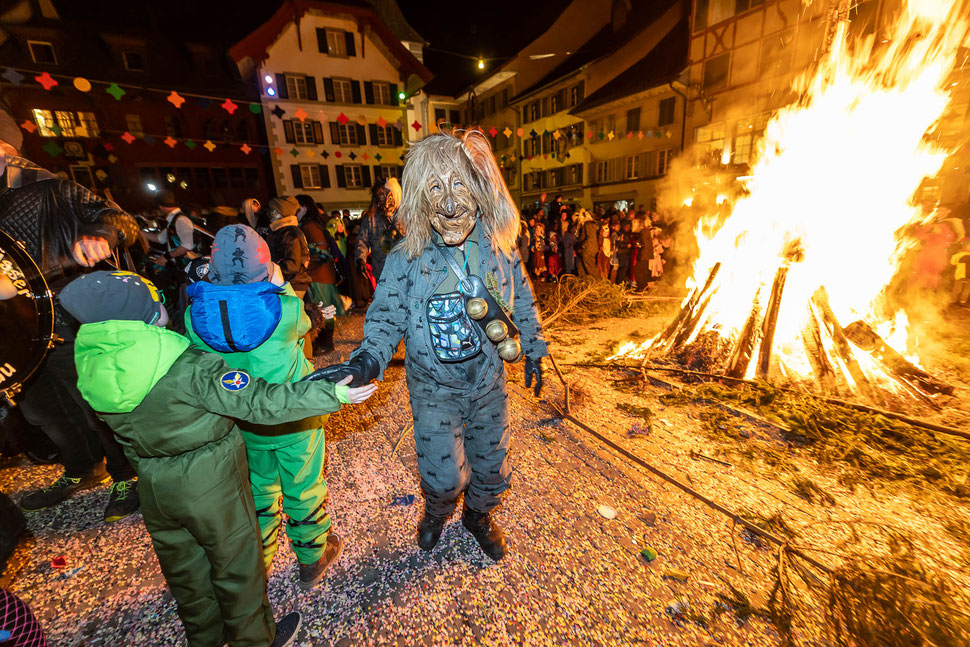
column 378, row 232
column 65, row 228
column 287, row 244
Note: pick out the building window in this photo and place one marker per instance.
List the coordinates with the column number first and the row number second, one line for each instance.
column 82, row 175
column 709, row 141
column 633, row 120
column 342, row 92
column 556, row 177
column 41, row 52
column 602, row 172
column 634, row 167
column 533, row 111
column 348, row 134
column 742, row 149
column 667, row 107
column 134, row 125
column 716, row 72
column 574, row 174
column 311, row 176
column 336, row 43
column 303, row 132
column 663, row 160
column 63, row 123
column 134, row 61
column 382, row 94
column 385, row 136
column 353, row 178
column 390, row 170
column 296, row 87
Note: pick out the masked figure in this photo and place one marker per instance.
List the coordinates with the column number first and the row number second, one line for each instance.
column 378, row 233
column 454, row 289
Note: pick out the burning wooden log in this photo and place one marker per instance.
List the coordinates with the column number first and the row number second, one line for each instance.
column 821, row 366
column 863, row 336
column 840, row 343
column 689, row 315
column 741, row 354
column 771, row 321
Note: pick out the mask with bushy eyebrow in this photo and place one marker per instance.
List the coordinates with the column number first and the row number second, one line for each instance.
column 454, row 210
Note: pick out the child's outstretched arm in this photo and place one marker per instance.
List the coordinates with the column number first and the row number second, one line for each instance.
column 235, row 394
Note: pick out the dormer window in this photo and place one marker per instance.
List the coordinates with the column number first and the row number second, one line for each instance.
column 41, row 52
column 134, row 61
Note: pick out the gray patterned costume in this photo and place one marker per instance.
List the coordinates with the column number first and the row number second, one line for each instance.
column 461, row 410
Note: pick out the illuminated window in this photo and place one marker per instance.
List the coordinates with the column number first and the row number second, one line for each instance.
column 63, row 123
column 342, row 92
column 385, row 136
column 742, row 149
column 633, row 119
column 667, row 107
column 303, row 132
column 663, row 160
column 382, row 94
column 348, row 134
column 336, row 43
column 353, row 176
column 310, row 173
column 634, row 167
column 296, row 87
column 390, row 170
column 41, row 52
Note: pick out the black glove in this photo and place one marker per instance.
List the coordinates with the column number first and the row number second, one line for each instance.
column 362, row 368
column 533, row 368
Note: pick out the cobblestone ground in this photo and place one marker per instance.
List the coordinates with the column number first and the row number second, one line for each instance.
column 573, row 576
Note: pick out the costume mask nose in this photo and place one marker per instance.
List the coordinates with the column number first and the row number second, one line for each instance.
column 449, row 205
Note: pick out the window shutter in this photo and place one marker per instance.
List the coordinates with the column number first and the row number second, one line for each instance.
column 400, row 171
column 365, row 175
column 398, row 137
column 334, row 133
column 311, row 88
column 297, row 176
column 355, row 91
column 328, row 89
column 377, row 172
column 394, row 100
column 281, row 90
column 362, row 135
column 288, row 131
column 351, row 46
column 341, row 180
column 373, row 134
column 318, row 132
column 368, row 93
column 324, row 176
column 322, row 40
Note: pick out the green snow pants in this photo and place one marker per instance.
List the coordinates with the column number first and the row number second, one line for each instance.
column 293, row 473
column 199, row 512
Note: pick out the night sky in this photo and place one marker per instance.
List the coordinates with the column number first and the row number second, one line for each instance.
column 499, row 29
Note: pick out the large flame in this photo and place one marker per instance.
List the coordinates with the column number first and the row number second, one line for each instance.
column 832, row 186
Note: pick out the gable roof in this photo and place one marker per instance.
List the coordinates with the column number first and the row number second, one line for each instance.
column 604, row 42
column 662, row 65
column 256, row 44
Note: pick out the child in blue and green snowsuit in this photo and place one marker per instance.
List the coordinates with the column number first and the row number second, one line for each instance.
column 256, row 323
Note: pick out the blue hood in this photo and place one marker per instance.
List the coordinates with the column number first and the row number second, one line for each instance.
column 234, row 318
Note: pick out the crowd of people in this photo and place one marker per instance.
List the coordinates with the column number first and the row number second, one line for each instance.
column 624, row 246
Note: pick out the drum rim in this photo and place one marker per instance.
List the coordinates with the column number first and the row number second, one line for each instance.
column 13, row 247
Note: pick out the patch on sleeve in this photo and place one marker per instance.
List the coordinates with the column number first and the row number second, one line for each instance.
column 234, row 380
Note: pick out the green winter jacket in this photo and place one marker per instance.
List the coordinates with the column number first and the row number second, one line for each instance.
column 278, row 359
column 165, row 400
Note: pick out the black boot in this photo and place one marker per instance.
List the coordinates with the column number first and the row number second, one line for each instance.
column 488, row 534
column 429, row 530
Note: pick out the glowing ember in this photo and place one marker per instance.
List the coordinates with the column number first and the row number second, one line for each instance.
column 817, row 236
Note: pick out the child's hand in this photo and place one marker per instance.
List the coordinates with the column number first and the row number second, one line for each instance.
column 329, row 312
column 358, row 394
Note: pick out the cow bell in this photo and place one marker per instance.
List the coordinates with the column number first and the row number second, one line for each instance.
column 496, row 330
column 509, row 349
column 476, row 308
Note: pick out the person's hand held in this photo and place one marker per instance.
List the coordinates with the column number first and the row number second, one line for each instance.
column 329, row 312
column 89, row 250
column 358, row 394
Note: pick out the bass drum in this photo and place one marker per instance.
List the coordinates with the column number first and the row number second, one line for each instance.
column 26, row 317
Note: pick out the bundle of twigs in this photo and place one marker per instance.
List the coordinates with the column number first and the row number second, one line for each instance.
column 581, row 300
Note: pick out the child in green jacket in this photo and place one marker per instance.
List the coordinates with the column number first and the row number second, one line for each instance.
column 256, row 323
column 173, row 408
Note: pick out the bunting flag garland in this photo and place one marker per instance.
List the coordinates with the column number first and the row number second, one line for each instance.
column 208, row 145
column 176, row 99
column 245, row 149
column 29, row 126
column 170, row 141
column 82, row 84
column 278, row 112
column 342, row 118
column 507, row 132
column 416, row 125
column 362, row 120
column 301, row 114
column 108, row 147
column 520, row 132
column 310, row 153
column 13, row 76
column 278, row 151
column 229, row 106
column 295, row 152
column 378, row 157
column 53, row 149
column 191, row 144
column 352, row 155
column 399, row 124
column 256, row 108
column 116, row 91
column 46, row 80
column 338, row 154
column 128, row 137
column 363, row 157
column 381, row 122
column 493, row 131
column 324, row 154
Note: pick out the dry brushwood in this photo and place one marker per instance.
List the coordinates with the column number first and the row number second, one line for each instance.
column 576, row 300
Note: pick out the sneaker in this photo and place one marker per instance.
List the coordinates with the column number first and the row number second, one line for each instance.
column 287, row 628
column 60, row 490
column 122, row 500
column 311, row 574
